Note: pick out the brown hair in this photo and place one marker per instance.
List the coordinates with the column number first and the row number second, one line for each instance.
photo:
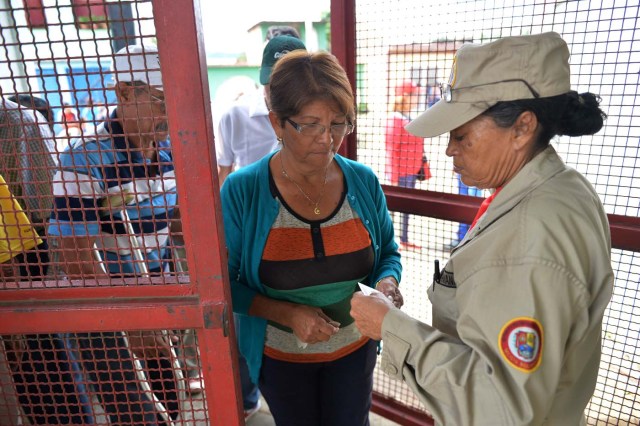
column 301, row 77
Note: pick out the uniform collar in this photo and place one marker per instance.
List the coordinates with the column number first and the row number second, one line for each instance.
column 535, row 173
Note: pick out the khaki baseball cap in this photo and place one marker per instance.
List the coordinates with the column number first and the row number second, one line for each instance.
column 512, row 68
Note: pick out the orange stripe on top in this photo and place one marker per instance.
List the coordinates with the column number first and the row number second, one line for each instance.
column 285, row 244
column 324, row 357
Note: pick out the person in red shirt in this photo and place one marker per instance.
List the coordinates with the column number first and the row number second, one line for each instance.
column 404, row 151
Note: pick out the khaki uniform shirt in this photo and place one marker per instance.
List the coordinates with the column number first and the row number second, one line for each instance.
column 517, row 310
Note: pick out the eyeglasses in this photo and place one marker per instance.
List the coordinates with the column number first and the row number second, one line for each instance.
column 446, row 89
column 338, row 131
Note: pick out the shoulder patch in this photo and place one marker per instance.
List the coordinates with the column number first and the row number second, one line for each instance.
column 520, row 343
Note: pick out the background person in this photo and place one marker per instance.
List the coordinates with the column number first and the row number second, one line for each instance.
column 71, row 122
column 35, row 103
column 41, row 366
column 16, row 236
column 303, row 226
column 518, row 308
column 128, row 153
column 244, row 132
column 404, row 151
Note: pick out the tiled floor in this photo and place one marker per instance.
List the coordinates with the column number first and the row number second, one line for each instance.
column 194, row 416
column 263, row 418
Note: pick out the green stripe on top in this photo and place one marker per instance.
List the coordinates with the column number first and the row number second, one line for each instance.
column 334, row 299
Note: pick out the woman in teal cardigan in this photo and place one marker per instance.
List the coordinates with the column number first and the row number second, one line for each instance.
column 303, row 227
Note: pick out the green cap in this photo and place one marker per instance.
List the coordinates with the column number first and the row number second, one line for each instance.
column 274, row 50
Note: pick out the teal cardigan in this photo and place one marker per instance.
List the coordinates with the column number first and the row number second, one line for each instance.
column 249, row 210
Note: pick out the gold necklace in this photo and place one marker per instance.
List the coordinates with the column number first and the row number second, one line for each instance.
column 316, row 210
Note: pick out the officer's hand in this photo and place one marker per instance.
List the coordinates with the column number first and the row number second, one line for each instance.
column 368, row 313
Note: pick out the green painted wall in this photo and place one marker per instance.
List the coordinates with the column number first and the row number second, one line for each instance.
column 218, row 74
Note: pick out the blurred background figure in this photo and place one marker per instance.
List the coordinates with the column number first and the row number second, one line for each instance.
column 244, row 134
column 27, row 164
column 35, row 103
column 131, row 145
column 71, row 124
column 404, row 152
column 92, row 115
column 279, row 30
column 41, row 365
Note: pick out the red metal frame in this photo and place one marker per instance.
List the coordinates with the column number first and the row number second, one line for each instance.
column 390, row 409
column 195, row 165
column 201, row 300
column 625, row 230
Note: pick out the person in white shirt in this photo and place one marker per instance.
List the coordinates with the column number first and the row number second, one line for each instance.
column 244, row 134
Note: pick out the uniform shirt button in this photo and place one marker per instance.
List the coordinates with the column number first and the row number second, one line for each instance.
column 391, row 369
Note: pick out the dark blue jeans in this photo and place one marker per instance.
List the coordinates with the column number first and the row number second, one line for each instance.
column 336, row 393
column 45, row 373
column 46, row 383
column 405, row 182
column 109, row 364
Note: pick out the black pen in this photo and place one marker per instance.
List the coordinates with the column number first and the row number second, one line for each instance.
column 436, row 274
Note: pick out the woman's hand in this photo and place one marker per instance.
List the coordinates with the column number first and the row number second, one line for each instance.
column 390, row 289
column 311, row 325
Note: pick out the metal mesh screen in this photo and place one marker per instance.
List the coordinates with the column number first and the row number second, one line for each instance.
column 93, row 254
column 406, row 48
column 99, row 191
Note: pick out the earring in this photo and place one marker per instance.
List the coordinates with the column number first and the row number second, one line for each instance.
column 279, row 139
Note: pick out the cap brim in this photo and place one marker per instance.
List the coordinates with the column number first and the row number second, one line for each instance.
column 444, row 117
column 265, row 75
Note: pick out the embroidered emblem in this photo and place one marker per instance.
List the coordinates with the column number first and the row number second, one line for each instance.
column 520, row 343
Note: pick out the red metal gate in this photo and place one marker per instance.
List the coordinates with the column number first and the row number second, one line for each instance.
column 83, row 316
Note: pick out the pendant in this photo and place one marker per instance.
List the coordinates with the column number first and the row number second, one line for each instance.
column 316, row 210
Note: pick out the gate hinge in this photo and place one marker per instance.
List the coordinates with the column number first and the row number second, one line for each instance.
column 216, row 315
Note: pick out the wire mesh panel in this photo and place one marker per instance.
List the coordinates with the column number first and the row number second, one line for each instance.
column 405, row 49
column 92, row 247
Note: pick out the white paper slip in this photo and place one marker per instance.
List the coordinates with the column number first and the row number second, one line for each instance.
column 301, row 344
column 366, row 290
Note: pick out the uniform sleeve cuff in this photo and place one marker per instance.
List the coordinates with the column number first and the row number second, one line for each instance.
column 394, row 349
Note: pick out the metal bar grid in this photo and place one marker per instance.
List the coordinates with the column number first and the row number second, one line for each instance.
column 413, row 41
column 94, row 233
